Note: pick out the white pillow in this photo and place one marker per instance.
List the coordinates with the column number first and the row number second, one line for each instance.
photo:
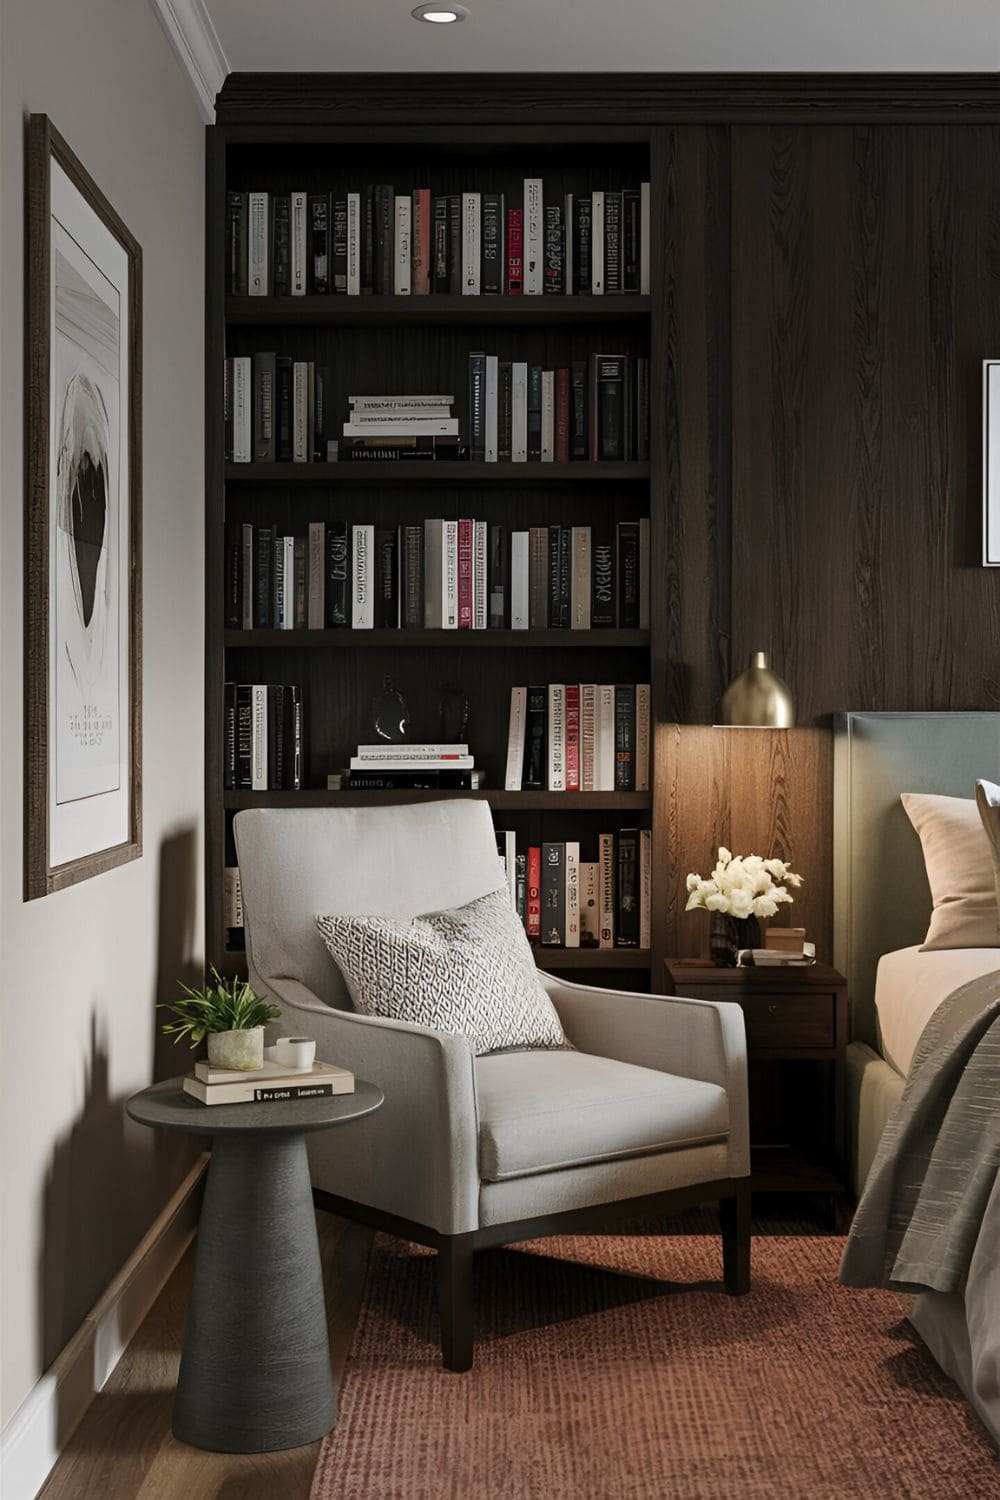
column 469, row 971
column 959, row 864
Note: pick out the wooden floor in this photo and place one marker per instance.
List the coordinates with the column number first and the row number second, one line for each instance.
column 124, row 1449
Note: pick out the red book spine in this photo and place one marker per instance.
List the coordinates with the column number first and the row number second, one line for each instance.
column 515, row 251
column 533, row 921
column 466, row 530
column 572, row 736
column 420, row 259
column 562, row 417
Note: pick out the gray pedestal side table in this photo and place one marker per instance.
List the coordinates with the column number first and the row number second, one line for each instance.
column 255, row 1368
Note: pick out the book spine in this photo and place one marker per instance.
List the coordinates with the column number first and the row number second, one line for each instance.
column 281, row 245
column 439, row 244
column 337, row 573
column 386, row 612
column 519, row 412
column 385, row 234
column 534, row 249
column 515, row 739
column 533, row 778
column 504, row 400
column 244, row 735
column 480, row 592
column 465, row 548
column 491, row 277
column 316, row 612
column 232, row 901
column 548, row 417
column 534, row 413
column 625, row 737
column 295, row 572
column 606, row 876
column 521, row 886
column 644, row 242
column 258, row 277
column 561, row 444
column 471, row 244
column 263, row 408
column 572, row 931
column 555, row 589
column 319, row 279
column 553, row 270
column 642, row 736
column 258, row 781
column 538, row 578
column 293, row 697
column 557, row 737
column 630, row 235
column 264, row 548
column 515, row 252
column 275, row 737
column 247, row 579
column 454, row 242
column 604, row 739
column 368, row 242
column 491, row 409
column 434, row 574
column 628, row 575
column 588, row 732
column 597, row 245
column 627, row 893
column 299, row 243
column 602, row 590
column 242, row 407
column 477, row 406
column 519, row 581
column 553, row 934
column 497, row 577
column 403, row 248
column 580, row 585
column 413, row 577
column 283, row 402
column 354, row 252
column 533, row 914
column 569, row 219
column 590, row 904
column 572, row 737
column 420, row 272
column 643, row 561
column 229, row 736
column 339, row 247
column 645, row 888
column 362, row 590
column 237, row 259
column 582, row 248
column 612, row 242
column 578, row 410
column 301, row 450
column 427, row 780
column 233, row 597
column 450, row 586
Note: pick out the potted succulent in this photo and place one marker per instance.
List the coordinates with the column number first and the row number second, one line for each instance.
column 230, row 1014
column 742, row 890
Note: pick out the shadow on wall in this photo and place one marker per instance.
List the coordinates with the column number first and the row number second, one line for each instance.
column 103, row 1188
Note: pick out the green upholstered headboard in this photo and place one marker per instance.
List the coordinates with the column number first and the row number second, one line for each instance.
column 880, row 895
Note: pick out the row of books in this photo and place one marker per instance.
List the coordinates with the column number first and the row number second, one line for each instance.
column 582, row 893
column 438, row 575
column 416, row 243
column 579, row 737
column 262, row 736
column 597, row 410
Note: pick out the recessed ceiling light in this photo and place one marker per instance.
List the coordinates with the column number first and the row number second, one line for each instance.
column 439, row 15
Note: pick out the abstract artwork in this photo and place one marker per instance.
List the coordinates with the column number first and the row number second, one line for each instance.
column 82, row 574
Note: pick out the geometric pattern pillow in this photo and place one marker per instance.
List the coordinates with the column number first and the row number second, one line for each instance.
column 469, row 972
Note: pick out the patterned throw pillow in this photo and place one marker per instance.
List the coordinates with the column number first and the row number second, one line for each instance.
column 468, row 971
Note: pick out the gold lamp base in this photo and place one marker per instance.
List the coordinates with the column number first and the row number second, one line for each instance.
column 757, row 699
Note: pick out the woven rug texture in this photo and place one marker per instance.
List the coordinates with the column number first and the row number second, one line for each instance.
column 615, row 1368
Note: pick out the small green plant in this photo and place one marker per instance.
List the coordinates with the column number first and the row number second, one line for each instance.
column 223, row 1005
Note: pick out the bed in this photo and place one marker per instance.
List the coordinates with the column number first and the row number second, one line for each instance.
column 882, row 905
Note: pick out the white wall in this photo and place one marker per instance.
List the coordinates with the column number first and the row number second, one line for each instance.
column 80, row 971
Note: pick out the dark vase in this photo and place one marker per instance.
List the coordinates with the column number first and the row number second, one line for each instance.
column 727, row 935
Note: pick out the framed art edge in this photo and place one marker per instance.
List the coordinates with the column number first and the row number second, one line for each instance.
column 991, row 463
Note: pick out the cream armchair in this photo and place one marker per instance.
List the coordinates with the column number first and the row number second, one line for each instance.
column 647, row 1115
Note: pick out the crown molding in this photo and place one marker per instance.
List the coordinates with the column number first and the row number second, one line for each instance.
column 196, row 42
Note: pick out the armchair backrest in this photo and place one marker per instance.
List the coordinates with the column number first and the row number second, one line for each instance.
column 300, row 863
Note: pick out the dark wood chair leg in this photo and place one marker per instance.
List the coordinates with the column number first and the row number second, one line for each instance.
column 454, row 1272
column 735, row 1215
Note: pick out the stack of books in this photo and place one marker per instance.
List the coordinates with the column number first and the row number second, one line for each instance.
column 581, row 893
column 411, row 767
column 380, row 427
column 579, row 737
column 271, row 1084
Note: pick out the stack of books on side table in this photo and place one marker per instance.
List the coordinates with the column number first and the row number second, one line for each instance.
column 273, row 1083
column 410, row 767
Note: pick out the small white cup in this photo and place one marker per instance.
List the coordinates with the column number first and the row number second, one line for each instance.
column 295, row 1051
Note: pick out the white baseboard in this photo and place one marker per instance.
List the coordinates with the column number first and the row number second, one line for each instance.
column 45, row 1421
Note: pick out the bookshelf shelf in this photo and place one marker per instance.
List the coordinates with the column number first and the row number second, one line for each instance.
column 557, row 959
column 502, row 801
column 446, row 640
column 453, row 473
column 402, row 312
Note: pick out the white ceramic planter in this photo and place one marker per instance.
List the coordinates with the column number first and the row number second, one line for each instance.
column 239, row 1050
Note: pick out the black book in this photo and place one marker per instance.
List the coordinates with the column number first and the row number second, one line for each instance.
column 603, row 611
column 386, row 605
column 628, row 575
column 439, row 245
column 264, row 436
column 560, row 540
column 364, row 450
column 337, row 591
column 578, row 447
column 283, row 408
column 505, row 401
column 324, row 424
column 534, row 776
column 293, row 739
column 609, row 407
column 492, row 250
column 553, row 896
column 385, row 238
column 554, row 257
column 368, row 243
column 233, row 617
column 278, row 575
column 412, row 548
column 277, row 742
column 299, row 598
column 477, row 406
column 631, row 239
column 582, row 246
column 281, row 244
column 263, row 564
column 534, row 412
column 612, row 242
column 318, row 262
column 497, row 577
column 521, row 884
column 339, row 245
column 244, row 735
column 627, row 888
column 387, row 781
column 237, row 248
column 229, row 736
column 642, row 408
column 625, row 737
column 454, row 242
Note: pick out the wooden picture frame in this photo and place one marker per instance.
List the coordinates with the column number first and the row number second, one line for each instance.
column 83, row 516
column 991, row 463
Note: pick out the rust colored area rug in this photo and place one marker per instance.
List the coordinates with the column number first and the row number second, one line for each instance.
column 599, row 1377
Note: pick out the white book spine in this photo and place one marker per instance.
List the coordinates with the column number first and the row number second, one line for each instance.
column 492, row 396
column 597, row 245
column 299, row 238
column 247, row 612
column 590, row 904
column 606, row 876
column 604, row 739
column 404, row 228
column 645, row 888
column 509, row 861
column 242, row 404
column 408, row 763
column 287, row 620
column 519, row 580
column 645, row 259
column 354, row 244
column 644, row 573
column 515, row 739
column 411, row 404
column 362, row 590
column 572, row 938
column 434, row 574
column 557, row 737
column 569, row 227
column 480, row 591
column 548, row 416
column 232, row 898
column 300, row 412
column 258, row 282
column 579, row 583
column 391, row 427
column 471, row 243
column 519, row 412
column 316, row 612
column 533, row 237
column 588, row 730
column 258, row 738
column 450, row 590
column 642, row 737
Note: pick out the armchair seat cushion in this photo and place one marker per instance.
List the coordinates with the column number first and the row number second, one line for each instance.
column 540, row 1111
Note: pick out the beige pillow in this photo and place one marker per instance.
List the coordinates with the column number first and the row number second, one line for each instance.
column 959, row 864
column 988, row 802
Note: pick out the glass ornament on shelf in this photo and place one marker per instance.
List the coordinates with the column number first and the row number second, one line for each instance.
column 390, row 714
column 454, row 714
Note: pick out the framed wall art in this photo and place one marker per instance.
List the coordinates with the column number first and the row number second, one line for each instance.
column 991, row 463
column 83, row 648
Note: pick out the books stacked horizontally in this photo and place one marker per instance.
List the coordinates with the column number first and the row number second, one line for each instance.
column 381, row 427
column 273, row 1083
column 596, row 409
column 262, row 736
column 588, row 893
column 579, row 737
column 386, row 767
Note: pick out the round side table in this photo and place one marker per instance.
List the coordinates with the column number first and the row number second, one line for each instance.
column 255, row 1368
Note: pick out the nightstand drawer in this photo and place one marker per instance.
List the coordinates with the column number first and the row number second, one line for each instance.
column 789, row 1020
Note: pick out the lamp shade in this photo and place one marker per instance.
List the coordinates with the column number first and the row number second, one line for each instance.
column 757, row 698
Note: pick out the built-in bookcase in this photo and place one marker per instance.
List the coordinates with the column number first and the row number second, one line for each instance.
column 391, row 344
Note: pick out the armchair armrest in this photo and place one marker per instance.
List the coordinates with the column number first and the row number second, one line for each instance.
column 417, row 1156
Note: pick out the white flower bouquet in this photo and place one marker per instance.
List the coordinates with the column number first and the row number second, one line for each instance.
column 742, row 886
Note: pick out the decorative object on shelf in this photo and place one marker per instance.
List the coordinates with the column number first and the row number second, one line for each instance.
column 758, row 698
column 230, row 1014
column 295, row 1051
column 741, row 890
column 390, row 714
column 83, row 554
column 454, row 712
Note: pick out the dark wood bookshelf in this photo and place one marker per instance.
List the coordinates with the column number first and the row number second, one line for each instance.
column 445, row 640
column 590, row 958
column 339, row 311
column 451, row 472
column 500, row 800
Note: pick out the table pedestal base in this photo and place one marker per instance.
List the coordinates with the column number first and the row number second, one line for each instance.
column 255, row 1371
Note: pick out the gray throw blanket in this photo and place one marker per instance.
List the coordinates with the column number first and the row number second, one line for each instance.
column 929, row 1189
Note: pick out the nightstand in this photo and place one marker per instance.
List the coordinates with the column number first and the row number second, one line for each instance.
column 796, row 1020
